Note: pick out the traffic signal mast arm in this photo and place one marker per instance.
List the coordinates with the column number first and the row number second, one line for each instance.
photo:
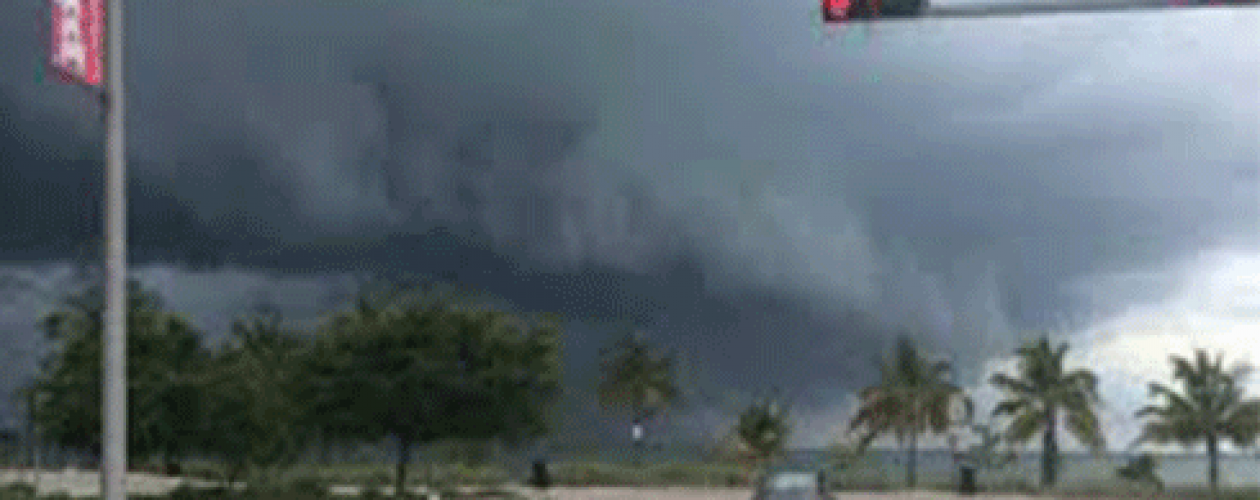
column 851, row 11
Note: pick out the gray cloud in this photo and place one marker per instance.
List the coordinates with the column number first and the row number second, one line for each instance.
column 717, row 167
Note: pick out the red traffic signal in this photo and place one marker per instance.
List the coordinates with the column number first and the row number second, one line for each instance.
column 837, row 11
column 834, row 11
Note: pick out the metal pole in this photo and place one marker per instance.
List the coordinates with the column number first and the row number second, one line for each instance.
column 1009, row 9
column 33, row 442
column 114, row 431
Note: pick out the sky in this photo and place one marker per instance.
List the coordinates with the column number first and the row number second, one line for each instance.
column 773, row 204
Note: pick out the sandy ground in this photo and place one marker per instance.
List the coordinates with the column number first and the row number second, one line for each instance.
column 79, row 483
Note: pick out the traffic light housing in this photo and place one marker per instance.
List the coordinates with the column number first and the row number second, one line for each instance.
column 838, row 11
column 843, row 11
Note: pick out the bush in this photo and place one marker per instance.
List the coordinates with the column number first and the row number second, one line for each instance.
column 304, row 486
column 17, row 492
column 380, row 478
column 209, row 472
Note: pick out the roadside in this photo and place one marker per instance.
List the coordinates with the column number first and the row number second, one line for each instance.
column 85, row 483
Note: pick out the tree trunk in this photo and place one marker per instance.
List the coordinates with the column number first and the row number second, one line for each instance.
column 636, row 426
column 1049, row 452
column 170, row 463
column 910, row 459
column 234, row 473
column 323, row 447
column 400, row 475
column 1213, row 472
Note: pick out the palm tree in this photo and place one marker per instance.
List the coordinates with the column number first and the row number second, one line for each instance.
column 912, row 397
column 1211, row 408
column 1045, row 395
column 634, row 377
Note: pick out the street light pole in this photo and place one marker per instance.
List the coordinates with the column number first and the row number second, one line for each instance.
column 114, row 408
column 34, row 440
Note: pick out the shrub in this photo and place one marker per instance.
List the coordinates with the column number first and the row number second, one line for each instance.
column 17, row 492
column 307, row 487
column 377, row 478
column 209, row 472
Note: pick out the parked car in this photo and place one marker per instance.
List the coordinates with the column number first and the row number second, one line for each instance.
column 795, row 484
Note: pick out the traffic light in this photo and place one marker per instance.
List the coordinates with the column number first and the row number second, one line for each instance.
column 837, row 11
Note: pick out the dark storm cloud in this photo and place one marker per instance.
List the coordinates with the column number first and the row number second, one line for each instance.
column 714, row 174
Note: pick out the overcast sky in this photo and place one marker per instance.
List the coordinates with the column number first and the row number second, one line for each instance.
column 775, row 205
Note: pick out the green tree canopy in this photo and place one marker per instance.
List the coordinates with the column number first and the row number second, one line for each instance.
column 1141, row 470
column 1044, row 395
column 764, row 427
column 637, row 378
column 1210, row 408
column 252, row 395
column 420, row 366
column 163, row 353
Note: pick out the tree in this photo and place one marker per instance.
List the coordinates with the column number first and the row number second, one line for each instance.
column 1141, row 470
column 763, row 428
column 1044, row 396
column 163, row 351
column 508, row 375
column 985, row 454
column 421, row 367
column 254, row 410
column 635, row 378
column 1210, row 408
column 332, row 419
column 911, row 398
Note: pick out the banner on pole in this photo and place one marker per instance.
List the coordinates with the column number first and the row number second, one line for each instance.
column 78, row 40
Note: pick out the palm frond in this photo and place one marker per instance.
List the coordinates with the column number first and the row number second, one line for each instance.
column 1084, row 426
column 1010, row 384
column 1024, row 426
column 1012, row 406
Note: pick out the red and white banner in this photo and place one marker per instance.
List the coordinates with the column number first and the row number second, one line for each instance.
column 78, row 39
